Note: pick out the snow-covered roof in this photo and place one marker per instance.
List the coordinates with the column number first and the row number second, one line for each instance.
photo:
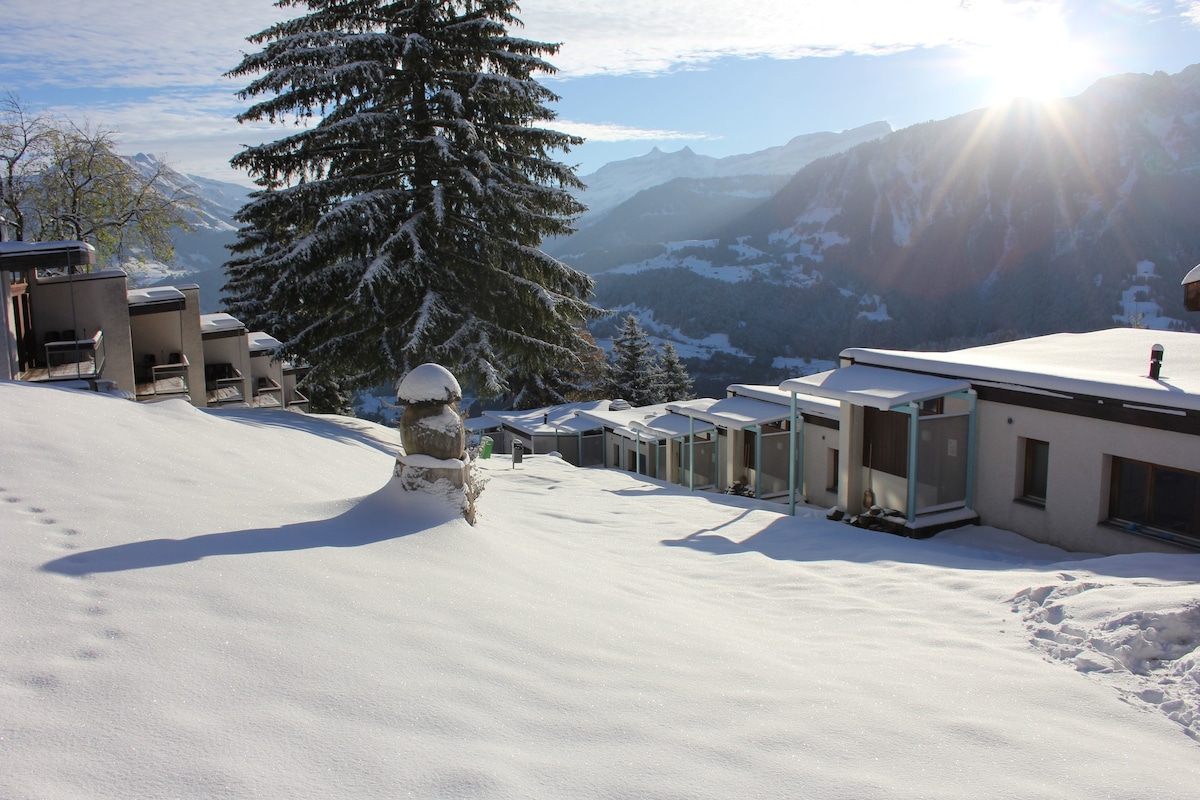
column 874, row 387
column 261, row 342
column 428, row 383
column 648, row 422
column 157, row 294
column 213, row 323
column 549, row 420
column 479, row 424
column 1111, row 363
column 806, row 404
column 20, row 256
column 733, row 413
column 1193, row 276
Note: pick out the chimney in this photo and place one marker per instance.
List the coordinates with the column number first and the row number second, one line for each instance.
column 1156, row 359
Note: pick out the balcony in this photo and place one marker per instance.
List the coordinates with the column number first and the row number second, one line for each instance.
column 156, row 381
column 297, row 401
column 223, row 384
column 68, row 358
column 267, row 393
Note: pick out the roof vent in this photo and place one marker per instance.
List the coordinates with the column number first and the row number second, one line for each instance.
column 1156, row 359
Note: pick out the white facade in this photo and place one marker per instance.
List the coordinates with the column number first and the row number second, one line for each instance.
column 1071, row 440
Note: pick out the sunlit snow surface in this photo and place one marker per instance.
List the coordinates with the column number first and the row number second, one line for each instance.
column 240, row 604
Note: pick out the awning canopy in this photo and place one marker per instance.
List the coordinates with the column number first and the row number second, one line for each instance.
column 874, row 387
column 733, row 413
column 647, row 422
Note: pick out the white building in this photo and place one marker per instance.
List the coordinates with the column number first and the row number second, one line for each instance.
column 1066, row 439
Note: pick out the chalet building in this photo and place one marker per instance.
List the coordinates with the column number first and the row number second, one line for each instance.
column 64, row 323
column 1089, row 442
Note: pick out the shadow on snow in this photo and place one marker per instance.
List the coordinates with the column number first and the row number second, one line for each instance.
column 389, row 513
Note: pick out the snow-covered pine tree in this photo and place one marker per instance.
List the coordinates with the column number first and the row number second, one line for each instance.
column 402, row 221
column 676, row 381
column 634, row 373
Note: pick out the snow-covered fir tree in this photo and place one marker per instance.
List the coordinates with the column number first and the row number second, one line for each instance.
column 585, row 379
column 634, row 375
column 676, row 382
column 402, row 221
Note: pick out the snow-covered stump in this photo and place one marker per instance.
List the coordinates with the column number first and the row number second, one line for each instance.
column 435, row 459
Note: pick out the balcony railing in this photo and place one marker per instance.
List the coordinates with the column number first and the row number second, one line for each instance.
column 298, row 401
column 74, row 359
column 267, row 393
column 223, row 384
column 164, row 380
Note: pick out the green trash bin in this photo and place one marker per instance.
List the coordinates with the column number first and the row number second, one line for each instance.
column 485, row 447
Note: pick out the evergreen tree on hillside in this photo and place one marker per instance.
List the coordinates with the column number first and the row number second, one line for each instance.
column 635, row 374
column 403, row 221
column 676, row 382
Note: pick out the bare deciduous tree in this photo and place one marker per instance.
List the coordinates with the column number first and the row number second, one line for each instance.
column 62, row 180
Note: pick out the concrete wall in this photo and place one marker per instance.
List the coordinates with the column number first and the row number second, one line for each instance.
column 8, row 329
column 193, row 345
column 818, row 441
column 1077, row 489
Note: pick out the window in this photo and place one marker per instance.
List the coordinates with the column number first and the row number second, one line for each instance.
column 831, row 470
column 1155, row 497
column 749, row 449
column 1037, row 469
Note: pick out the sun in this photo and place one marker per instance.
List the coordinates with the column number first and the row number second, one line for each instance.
column 1030, row 57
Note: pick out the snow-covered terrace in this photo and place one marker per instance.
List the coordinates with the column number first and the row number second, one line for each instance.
column 1111, row 364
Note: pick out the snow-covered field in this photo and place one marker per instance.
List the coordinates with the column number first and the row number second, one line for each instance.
column 236, row 604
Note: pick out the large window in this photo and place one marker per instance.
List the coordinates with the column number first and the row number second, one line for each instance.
column 1037, row 470
column 1155, row 497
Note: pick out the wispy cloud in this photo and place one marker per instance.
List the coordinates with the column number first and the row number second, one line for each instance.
column 129, row 43
column 633, row 37
column 148, row 44
column 603, row 132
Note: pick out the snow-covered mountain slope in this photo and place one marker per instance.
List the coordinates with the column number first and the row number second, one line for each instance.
column 618, row 181
column 1023, row 219
column 201, row 250
column 202, row 604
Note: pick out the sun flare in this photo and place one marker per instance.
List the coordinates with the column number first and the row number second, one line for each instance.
column 1033, row 57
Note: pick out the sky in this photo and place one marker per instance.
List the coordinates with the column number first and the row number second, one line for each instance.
column 720, row 79
column 233, row 603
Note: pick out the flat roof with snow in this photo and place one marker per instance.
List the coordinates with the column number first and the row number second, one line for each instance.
column 24, row 256
column 1111, row 363
column 262, row 343
column 733, row 413
column 646, row 422
column 810, row 404
column 874, row 387
column 549, row 420
column 219, row 323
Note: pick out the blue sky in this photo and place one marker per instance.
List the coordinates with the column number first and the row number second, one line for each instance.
column 720, row 78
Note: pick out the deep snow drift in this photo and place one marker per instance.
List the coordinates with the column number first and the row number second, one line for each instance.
column 208, row 604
